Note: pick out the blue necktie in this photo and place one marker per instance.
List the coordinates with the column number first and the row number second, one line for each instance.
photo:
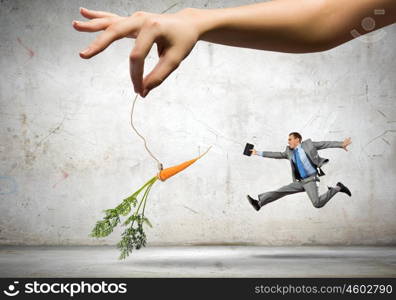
column 299, row 164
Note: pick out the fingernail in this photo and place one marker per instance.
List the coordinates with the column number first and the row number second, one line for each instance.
column 81, row 8
column 85, row 51
column 75, row 22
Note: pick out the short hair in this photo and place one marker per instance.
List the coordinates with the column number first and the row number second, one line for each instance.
column 296, row 135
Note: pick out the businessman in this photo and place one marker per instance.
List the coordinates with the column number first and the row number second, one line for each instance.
column 306, row 167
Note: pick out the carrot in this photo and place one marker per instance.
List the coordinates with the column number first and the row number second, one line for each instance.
column 171, row 171
column 134, row 236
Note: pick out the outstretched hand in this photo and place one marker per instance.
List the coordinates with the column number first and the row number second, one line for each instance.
column 175, row 35
column 346, row 143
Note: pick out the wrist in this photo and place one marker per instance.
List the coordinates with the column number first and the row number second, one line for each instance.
column 204, row 20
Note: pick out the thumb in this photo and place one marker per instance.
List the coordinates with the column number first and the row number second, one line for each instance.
column 165, row 66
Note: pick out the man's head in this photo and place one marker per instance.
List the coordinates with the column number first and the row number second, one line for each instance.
column 294, row 139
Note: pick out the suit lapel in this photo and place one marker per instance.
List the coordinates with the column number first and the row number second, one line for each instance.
column 307, row 149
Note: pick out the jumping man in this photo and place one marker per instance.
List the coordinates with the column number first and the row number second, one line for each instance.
column 306, row 167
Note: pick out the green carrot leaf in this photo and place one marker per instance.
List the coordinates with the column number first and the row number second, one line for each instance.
column 147, row 221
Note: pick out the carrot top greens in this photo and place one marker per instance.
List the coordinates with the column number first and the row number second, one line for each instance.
column 133, row 236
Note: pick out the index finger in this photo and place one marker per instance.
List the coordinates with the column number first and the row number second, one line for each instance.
column 93, row 14
column 143, row 44
column 112, row 33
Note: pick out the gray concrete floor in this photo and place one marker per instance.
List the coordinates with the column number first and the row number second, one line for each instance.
column 198, row 261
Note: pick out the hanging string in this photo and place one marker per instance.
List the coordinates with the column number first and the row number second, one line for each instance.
column 160, row 166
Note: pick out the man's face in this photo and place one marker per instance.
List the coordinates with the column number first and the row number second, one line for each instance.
column 293, row 142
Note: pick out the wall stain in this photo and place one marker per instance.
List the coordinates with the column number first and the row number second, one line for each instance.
column 8, row 185
column 170, row 7
column 386, row 141
column 190, row 209
column 30, row 51
column 381, row 113
column 30, row 155
column 64, row 176
column 379, row 136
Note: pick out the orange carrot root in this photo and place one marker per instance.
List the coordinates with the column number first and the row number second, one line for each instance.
column 171, row 171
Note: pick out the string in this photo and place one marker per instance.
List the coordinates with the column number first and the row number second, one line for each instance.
column 160, row 166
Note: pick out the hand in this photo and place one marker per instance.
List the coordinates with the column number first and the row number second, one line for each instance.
column 254, row 152
column 345, row 143
column 175, row 35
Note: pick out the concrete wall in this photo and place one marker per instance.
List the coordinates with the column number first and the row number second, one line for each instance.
column 68, row 150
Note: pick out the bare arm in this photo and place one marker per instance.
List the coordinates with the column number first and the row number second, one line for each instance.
column 295, row 26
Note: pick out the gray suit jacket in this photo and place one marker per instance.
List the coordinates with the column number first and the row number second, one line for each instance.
column 311, row 149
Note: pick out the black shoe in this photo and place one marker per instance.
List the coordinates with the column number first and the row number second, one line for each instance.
column 253, row 202
column 344, row 189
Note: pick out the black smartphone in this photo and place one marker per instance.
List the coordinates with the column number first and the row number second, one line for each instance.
column 247, row 151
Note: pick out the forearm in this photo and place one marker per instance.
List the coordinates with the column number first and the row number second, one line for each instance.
column 328, row 144
column 272, row 154
column 295, row 26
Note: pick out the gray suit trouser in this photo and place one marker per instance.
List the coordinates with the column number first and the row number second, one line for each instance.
column 306, row 185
